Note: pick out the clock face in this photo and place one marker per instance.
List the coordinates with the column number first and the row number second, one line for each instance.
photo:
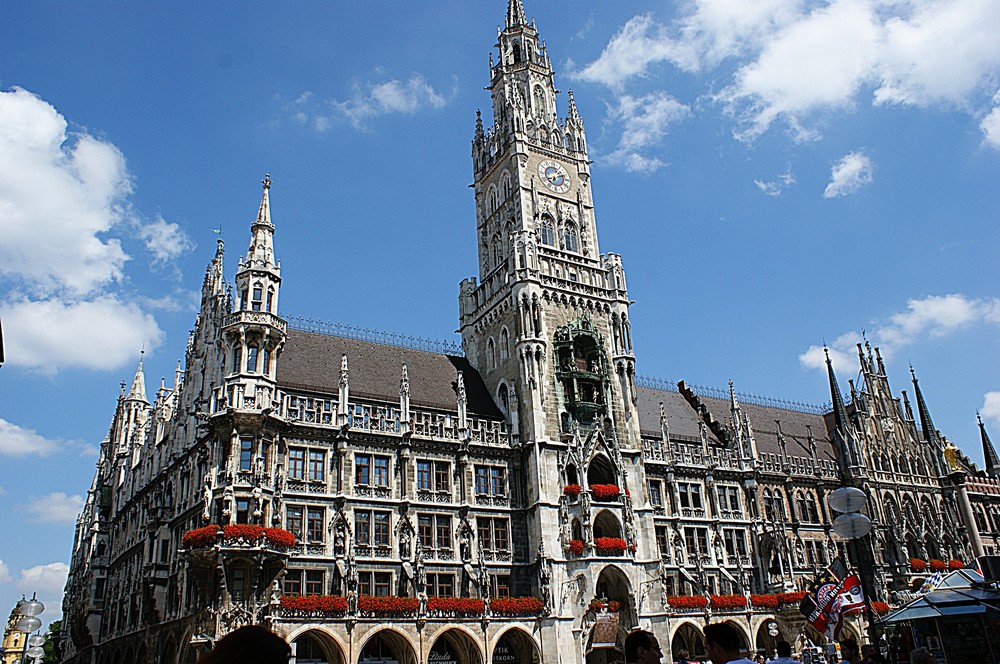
column 554, row 176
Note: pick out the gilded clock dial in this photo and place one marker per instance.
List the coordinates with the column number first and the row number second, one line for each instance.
column 554, row 176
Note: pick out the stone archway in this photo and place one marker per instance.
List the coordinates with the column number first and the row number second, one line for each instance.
column 689, row 638
column 387, row 646
column 613, row 585
column 515, row 646
column 168, row 653
column 315, row 647
column 455, row 646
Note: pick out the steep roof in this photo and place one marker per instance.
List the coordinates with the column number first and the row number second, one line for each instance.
column 311, row 362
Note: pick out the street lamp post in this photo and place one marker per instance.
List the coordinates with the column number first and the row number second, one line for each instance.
column 854, row 526
column 28, row 623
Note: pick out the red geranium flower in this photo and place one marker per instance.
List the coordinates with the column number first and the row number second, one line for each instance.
column 388, row 606
column 917, row 565
column 792, row 598
column 576, row 547
column 199, row 537
column 324, row 604
column 764, row 601
column 937, row 565
column 605, row 492
column 517, row 606
column 955, row 564
column 571, row 490
column 687, row 601
column 728, row 602
column 881, row 608
column 610, row 545
column 460, row 606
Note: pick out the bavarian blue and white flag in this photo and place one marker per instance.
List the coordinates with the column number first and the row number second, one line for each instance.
column 932, row 582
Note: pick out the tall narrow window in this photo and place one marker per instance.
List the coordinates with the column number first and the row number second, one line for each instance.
column 362, row 469
column 571, row 244
column 251, row 359
column 381, row 471
column 293, row 521
column 246, row 453
column 547, row 233
column 314, row 524
column 504, row 344
column 316, row 462
column 270, row 299
column 296, row 463
column 258, row 295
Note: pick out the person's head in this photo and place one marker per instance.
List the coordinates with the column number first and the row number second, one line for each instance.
column 642, row 647
column 867, row 651
column 722, row 642
column 921, row 656
column 784, row 649
column 248, row 644
column 849, row 650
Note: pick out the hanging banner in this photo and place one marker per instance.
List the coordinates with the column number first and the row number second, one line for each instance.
column 605, row 631
column 829, row 600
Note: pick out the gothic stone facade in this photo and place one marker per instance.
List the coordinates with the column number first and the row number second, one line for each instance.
column 534, row 465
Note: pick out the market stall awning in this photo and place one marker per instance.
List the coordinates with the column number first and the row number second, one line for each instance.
column 959, row 593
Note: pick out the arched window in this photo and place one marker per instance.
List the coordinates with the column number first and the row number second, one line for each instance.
column 258, row 297
column 800, row 505
column 506, row 186
column 571, row 244
column 497, row 251
column 539, row 99
column 492, row 201
column 812, row 510
column 237, row 357
column 548, row 235
column 502, row 398
column 504, row 344
column 517, row 52
column 491, row 354
column 269, row 303
column 252, row 358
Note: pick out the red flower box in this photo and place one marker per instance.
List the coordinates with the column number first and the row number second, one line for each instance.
column 937, row 565
column 610, row 545
column 572, row 490
column 881, row 608
column 917, row 565
column 792, row 598
column 613, row 606
column 605, row 492
column 200, row 537
column 576, row 547
column 459, row 606
column 517, row 606
column 687, row 601
column 955, row 564
column 326, row 604
column 728, row 602
column 388, row 606
column 764, row 601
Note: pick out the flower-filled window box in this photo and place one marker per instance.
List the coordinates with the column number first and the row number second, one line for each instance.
column 687, row 602
column 572, row 490
column 457, row 606
column 388, row 606
column 881, row 608
column 728, row 602
column 330, row 605
column 517, row 606
column 764, row 601
column 576, row 547
column 955, row 564
column 248, row 533
column 613, row 606
column 200, row 537
column 605, row 492
column 610, row 546
column 937, row 565
column 792, row 598
column 917, row 565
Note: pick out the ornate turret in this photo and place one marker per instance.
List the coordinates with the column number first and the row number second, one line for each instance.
column 989, row 452
column 843, row 429
column 931, row 435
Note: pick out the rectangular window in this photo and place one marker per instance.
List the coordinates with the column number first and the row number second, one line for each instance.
column 491, row 480
column 314, row 524
column 736, row 543
column 363, row 528
column 424, row 476
column 442, row 476
column 482, row 479
column 729, row 498
column 381, row 529
column 383, row 580
column 292, row 584
column 242, row 510
column 374, row 583
column 696, row 540
column 362, row 469
column 296, row 463
column 314, row 582
column 441, row 585
column 656, row 492
column 257, row 295
column 662, row 539
column 293, row 521
column 501, row 585
column 690, row 495
column 246, row 453
column 443, row 531
column 494, row 534
column 381, row 471
column 425, row 530
column 251, row 359
column 316, row 463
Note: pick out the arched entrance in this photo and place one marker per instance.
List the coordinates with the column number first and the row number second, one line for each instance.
column 455, row 647
column 387, row 647
column 515, row 646
column 314, row 647
column 614, row 586
column 689, row 639
column 764, row 642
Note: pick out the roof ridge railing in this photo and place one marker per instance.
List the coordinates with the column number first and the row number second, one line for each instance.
column 723, row 394
column 383, row 337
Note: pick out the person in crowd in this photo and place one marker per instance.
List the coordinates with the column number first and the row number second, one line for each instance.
column 248, row 645
column 869, row 655
column 683, row 656
column 641, row 647
column 784, row 650
column 849, row 651
column 723, row 644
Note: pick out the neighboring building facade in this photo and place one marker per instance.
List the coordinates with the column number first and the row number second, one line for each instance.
column 534, row 473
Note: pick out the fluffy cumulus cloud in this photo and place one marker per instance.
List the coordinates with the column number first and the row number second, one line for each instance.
column 368, row 101
column 788, row 60
column 5, row 576
column 930, row 317
column 18, row 441
column 56, row 508
column 644, row 122
column 990, row 410
column 46, row 580
column 853, row 171
column 65, row 201
column 991, row 125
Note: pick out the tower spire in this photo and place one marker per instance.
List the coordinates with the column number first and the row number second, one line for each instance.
column 989, row 452
column 138, row 390
column 842, row 424
column 515, row 13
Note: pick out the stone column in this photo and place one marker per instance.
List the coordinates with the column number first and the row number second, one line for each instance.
column 965, row 506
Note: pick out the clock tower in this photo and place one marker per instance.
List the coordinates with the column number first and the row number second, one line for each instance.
column 546, row 323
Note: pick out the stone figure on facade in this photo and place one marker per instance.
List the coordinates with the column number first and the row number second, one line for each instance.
column 206, row 499
column 465, row 537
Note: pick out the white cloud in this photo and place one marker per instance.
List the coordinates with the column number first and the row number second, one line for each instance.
column 165, row 240
column 46, row 580
column 644, row 121
column 369, row 100
column 56, row 508
column 778, row 185
column 640, row 41
column 991, row 125
column 18, row 441
column 853, row 171
column 5, row 576
column 50, row 335
column 933, row 316
column 990, row 409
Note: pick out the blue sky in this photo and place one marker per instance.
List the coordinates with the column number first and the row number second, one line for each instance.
column 774, row 174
